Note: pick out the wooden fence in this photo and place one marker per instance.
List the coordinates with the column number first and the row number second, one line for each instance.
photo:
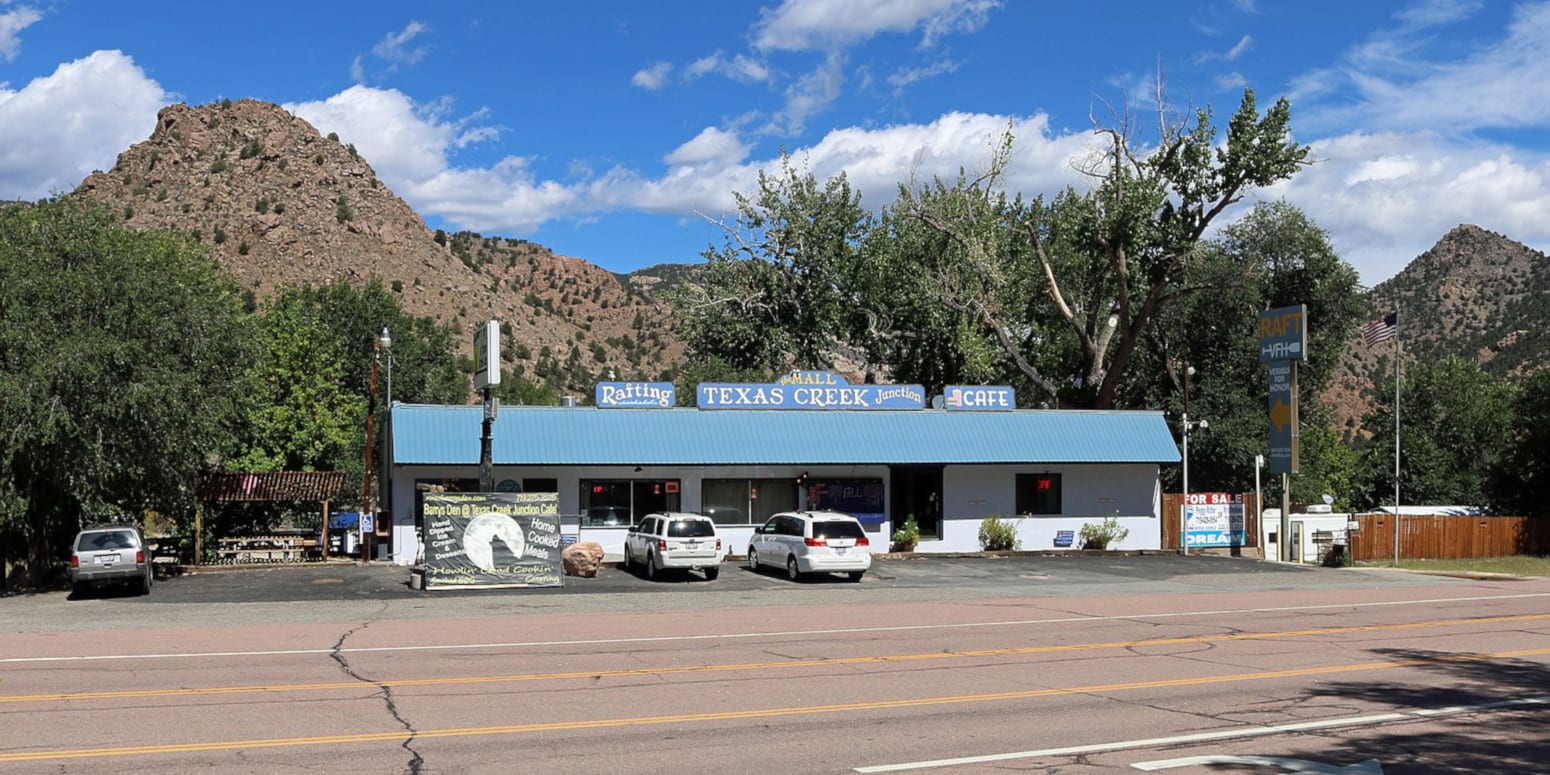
column 1447, row 537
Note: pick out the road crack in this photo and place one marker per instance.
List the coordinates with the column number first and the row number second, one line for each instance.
column 416, row 762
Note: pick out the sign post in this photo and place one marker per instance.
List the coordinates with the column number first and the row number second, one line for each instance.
column 487, row 374
column 1283, row 341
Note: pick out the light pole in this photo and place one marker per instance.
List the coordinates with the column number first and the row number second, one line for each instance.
column 371, row 416
column 385, row 489
column 1259, row 506
column 1188, row 424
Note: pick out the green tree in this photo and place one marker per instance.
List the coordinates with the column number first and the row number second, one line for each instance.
column 781, row 291
column 299, row 416
column 1454, row 418
column 1106, row 263
column 121, row 354
column 1273, row 256
column 1521, row 481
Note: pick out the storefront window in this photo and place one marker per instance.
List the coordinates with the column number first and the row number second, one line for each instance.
column 746, row 501
column 1038, row 494
column 624, row 502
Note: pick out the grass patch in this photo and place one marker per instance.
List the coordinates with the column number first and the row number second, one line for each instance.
column 1518, row 566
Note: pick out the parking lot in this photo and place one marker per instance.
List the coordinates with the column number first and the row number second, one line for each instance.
column 1016, row 574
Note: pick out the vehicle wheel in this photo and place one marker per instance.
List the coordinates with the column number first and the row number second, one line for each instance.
column 793, row 572
column 629, row 563
column 652, row 571
column 856, row 575
column 78, row 590
column 145, row 586
column 753, row 559
column 712, row 573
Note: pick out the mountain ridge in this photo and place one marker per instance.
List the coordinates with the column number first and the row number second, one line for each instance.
column 278, row 203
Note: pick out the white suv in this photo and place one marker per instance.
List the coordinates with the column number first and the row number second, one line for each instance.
column 805, row 542
column 674, row 540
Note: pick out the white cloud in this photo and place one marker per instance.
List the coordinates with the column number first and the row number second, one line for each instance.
column 11, row 25
column 741, row 68
column 654, row 77
column 809, row 95
column 910, row 75
column 58, row 128
column 357, row 72
column 798, row 25
column 1387, row 197
column 395, row 46
column 1499, row 85
column 711, row 147
column 1244, row 44
column 1233, row 81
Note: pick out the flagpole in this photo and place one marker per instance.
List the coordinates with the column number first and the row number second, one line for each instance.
column 1398, row 360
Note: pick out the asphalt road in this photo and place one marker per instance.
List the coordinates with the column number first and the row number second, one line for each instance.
column 1031, row 664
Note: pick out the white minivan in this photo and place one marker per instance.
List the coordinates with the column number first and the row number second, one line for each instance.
column 805, row 542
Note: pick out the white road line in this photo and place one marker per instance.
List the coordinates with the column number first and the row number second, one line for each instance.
column 1223, row 734
column 752, row 635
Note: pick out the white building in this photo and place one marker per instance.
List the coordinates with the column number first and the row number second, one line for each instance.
column 1053, row 470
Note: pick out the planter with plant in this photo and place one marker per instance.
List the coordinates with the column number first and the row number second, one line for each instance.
column 906, row 537
column 999, row 535
column 1100, row 535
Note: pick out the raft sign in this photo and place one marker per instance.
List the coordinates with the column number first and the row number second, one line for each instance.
column 632, row 395
column 812, row 390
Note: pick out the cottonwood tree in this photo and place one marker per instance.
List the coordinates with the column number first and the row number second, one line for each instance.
column 1108, row 260
column 1455, row 420
column 783, row 291
column 121, row 354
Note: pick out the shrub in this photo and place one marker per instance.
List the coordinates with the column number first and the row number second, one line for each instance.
column 1100, row 535
column 219, row 165
column 253, row 148
column 999, row 535
column 907, row 536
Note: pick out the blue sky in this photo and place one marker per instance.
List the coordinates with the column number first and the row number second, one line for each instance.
column 617, row 132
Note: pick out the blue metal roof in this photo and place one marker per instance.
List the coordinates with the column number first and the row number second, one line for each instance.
column 549, row 435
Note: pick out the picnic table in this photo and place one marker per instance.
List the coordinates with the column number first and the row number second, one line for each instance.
column 275, row 547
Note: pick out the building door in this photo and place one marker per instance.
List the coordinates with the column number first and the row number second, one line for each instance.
column 917, row 490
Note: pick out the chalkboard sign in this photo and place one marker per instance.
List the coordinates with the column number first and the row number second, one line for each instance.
column 496, row 539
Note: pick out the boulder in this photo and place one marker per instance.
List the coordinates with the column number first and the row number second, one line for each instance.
column 582, row 559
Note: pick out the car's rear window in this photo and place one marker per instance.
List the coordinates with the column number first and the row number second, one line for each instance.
column 837, row 529
column 690, row 528
column 117, row 539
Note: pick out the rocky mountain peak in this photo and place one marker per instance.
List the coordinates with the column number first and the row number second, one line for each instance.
column 278, row 203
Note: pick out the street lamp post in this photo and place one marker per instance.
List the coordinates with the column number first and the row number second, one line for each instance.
column 1259, row 506
column 385, row 488
column 371, row 416
column 1188, row 424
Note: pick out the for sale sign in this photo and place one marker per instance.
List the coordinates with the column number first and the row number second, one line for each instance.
column 1211, row 520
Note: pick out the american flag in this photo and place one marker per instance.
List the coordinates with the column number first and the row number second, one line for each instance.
column 1381, row 330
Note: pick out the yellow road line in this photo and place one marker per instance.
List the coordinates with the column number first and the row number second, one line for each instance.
column 684, row 718
column 824, row 662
